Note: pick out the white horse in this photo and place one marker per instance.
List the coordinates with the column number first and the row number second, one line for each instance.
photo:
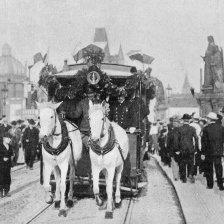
column 53, row 133
column 109, row 146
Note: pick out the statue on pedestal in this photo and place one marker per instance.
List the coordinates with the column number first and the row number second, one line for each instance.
column 213, row 70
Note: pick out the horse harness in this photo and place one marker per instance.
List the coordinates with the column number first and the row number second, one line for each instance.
column 112, row 141
column 65, row 140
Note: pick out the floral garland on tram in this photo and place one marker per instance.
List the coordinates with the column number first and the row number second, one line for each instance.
column 76, row 87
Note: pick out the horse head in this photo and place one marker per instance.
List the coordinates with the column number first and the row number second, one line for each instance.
column 47, row 116
column 97, row 119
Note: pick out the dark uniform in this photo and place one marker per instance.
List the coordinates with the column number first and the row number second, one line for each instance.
column 30, row 142
column 212, row 148
column 186, row 139
column 118, row 113
column 137, row 112
column 5, row 168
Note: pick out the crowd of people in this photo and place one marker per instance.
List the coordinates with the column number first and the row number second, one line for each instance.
column 191, row 145
column 19, row 144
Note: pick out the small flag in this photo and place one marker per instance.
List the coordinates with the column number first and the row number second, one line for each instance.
column 46, row 57
column 37, row 57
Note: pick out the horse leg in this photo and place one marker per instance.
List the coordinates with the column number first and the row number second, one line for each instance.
column 95, row 173
column 47, row 187
column 57, row 191
column 118, row 185
column 70, row 202
column 109, row 212
column 64, row 170
column 104, row 203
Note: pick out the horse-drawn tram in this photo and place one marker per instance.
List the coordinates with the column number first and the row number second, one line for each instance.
column 95, row 123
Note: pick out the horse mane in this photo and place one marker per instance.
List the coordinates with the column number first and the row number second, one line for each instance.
column 98, row 106
column 47, row 104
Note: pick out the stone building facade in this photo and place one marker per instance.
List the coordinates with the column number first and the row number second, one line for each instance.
column 12, row 78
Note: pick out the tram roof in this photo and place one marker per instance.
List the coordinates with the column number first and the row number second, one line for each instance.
column 112, row 70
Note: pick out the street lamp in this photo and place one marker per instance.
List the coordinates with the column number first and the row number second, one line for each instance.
column 5, row 95
column 169, row 91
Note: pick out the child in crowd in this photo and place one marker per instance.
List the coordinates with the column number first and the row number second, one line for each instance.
column 6, row 157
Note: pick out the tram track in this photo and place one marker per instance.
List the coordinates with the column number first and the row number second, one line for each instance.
column 125, row 218
column 159, row 189
column 38, row 214
column 130, row 210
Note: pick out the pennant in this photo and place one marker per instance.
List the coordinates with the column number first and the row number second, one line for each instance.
column 37, row 57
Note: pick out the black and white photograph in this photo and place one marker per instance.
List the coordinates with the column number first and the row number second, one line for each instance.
column 111, row 111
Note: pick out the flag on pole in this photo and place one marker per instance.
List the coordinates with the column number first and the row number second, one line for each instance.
column 46, row 57
column 37, row 57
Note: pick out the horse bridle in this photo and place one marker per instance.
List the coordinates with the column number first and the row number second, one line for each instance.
column 102, row 128
column 55, row 121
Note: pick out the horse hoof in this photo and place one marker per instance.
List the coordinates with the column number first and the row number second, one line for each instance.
column 103, row 206
column 118, row 205
column 70, row 203
column 108, row 215
column 49, row 200
column 99, row 202
column 62, row 213
column 57, row 204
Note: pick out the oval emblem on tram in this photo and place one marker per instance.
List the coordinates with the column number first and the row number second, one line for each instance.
column 93, row 77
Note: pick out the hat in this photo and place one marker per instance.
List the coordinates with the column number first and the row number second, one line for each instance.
column 13, row 123
column 212, row 116
column 31, row 121
column 6, row 135
column 133, row 69
column 195, row 117
column 186, row 117
column 19, row 121
column 90, row 90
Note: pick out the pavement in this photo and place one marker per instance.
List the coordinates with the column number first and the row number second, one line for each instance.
column 200, row 205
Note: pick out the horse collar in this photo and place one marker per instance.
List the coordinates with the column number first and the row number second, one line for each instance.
column 108, row 147
column 64, row 140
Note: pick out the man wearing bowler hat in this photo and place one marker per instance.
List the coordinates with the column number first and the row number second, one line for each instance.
column 30, row 142
column 188, row 145
column 212, row 150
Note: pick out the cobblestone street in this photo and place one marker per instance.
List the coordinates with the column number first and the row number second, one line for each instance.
column 157, row 203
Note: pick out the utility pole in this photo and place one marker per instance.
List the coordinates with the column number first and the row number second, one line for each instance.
column 169, row 91
column 5, row 95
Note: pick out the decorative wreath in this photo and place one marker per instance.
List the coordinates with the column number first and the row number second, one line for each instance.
column 79, row 85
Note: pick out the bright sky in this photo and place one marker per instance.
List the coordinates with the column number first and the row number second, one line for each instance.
column 174, row 32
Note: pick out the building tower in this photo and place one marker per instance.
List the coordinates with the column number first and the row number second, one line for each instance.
column 186, row 86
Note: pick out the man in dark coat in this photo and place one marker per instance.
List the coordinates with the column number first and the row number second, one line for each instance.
column 173, row 145
column 119, row 110
column 30, row 142
column 212, row 150
column 6, row 156
column 188, row 145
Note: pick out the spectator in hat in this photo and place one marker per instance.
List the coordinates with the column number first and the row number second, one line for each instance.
column 212, row 150
column 173, row 146
column 4, row 127
column 30, row 142
column 197, row 127
column 6, row 156
column 188, row 144
column 16, row 134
